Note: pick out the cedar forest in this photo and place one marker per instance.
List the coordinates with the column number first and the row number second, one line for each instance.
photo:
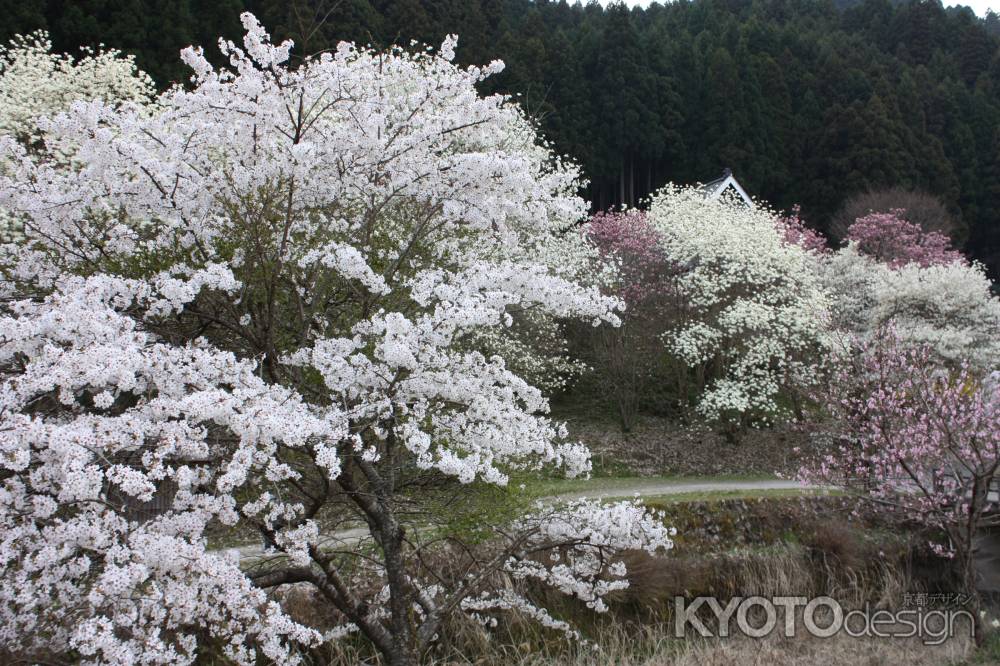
column 808, row 101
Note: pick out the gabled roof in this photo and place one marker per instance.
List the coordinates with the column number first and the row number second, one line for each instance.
column 714, row 189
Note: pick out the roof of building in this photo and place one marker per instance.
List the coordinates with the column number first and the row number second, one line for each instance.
column 715, row 188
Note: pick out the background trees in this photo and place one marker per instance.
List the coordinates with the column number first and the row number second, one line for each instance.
column 922, row 209
column 295, row 293
column 809, row 102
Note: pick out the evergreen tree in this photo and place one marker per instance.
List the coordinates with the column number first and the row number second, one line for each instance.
column 809, row 101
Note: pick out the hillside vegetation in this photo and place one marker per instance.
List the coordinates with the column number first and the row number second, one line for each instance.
column 808, row 101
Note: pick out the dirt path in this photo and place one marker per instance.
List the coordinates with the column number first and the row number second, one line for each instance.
column 601, row 489
column 609, row 488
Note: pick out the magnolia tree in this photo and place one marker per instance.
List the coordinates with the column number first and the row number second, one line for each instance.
column 891, row 271
column 920, row 439
column 626, row 357
column 755, row 317
column 253, row 309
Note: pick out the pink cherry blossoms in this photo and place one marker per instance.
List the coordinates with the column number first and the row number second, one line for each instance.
column 629, row 241
column 915, row 436
column 891, row 239
column 795, row 232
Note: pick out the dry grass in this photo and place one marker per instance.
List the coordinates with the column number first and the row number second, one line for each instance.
column 653, row 646
column 640, row 629
column 802, row 554
column 840, row 650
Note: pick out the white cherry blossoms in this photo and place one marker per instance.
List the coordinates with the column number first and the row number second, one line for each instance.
column 257, row 304
column 574, row 549
column 96, row 416
column 37, row 83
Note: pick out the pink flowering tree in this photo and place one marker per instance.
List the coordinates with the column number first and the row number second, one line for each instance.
column 629, row 241
column 795, row 232
column 249, row 313
column 889, row 238
column 915, row 437
column 627, row 357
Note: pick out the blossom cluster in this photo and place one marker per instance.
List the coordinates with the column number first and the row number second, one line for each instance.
column 949, row 307
column 913, row 435
column 592, row 531
column 890, row 239
column 794, row 230
column 96, row 417
column 756, row 308
column 575, row 549
column 37, row 83
column 631, row 244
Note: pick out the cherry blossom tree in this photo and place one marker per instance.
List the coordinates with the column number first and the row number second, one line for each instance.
column 628, row 240
column 627, row 357
column 916, row 437
column 922, row 209
column 890, row 239
column 756, row 316
column 36, row 84
column 257, row 308
column 794, row 230
column 892, row 271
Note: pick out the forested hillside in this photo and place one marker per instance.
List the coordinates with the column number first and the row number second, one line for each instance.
column 310, row 360
column 808, row 101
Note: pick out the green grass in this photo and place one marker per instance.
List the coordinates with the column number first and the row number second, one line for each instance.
column 483, row 505
column 989, row 651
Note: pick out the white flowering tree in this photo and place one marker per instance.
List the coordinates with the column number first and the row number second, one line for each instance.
column 946, row 307
column 253, row 310
column 755, row 318
column 37, row 83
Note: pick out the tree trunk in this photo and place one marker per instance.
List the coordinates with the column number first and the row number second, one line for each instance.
column 399, row 598
column 401, row 658
column 621, row 182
